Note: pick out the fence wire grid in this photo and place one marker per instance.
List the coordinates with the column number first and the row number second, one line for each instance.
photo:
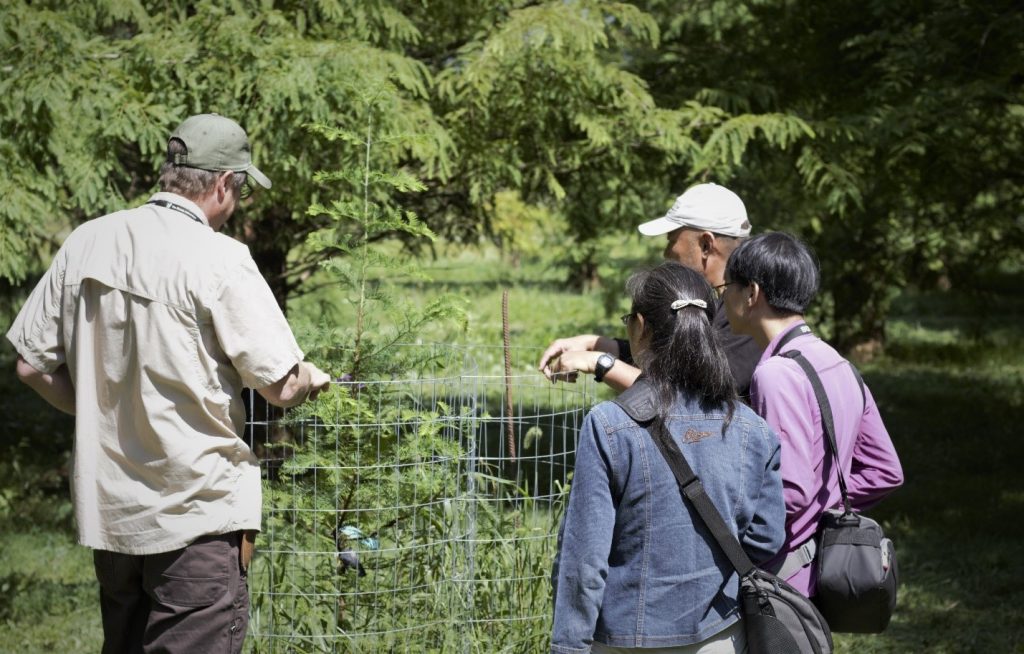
column 415, row 514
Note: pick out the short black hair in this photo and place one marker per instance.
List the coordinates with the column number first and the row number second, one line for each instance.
column 783, row 267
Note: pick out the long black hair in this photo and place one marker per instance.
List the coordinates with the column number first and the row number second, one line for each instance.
column 683, row 353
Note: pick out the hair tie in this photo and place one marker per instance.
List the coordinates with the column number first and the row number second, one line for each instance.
column 679, row 304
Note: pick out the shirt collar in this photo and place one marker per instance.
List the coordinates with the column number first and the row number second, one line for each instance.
column 767, row 354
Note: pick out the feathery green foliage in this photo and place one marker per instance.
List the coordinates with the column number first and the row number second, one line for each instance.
column 538, row 99
column 345, row 250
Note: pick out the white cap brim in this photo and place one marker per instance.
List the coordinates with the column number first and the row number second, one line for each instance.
column 659, row 226
column 707, row 207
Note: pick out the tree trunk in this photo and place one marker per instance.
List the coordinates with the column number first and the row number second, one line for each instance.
column 861, row 307
column 583, row 267
column 269, row 250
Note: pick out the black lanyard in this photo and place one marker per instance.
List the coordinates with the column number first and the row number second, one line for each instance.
column 799, row 330
column 177, row 207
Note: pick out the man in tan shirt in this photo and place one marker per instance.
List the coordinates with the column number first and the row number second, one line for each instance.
column 146, row 327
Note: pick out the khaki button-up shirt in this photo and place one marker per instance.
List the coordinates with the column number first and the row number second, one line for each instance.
column 161, row 322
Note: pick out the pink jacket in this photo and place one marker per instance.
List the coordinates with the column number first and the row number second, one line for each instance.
column 781, row 393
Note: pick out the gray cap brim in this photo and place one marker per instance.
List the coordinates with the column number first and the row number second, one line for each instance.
column 260, row 178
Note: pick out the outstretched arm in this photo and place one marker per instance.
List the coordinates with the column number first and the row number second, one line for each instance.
column 303, row 382
column 565, row 358
column 582, row 343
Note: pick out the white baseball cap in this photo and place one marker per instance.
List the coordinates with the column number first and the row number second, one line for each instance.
column 705, row 206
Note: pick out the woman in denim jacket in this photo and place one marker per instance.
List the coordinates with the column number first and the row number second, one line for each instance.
column 637, row 571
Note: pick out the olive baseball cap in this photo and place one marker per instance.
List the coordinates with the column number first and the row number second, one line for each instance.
column 216, row 143
column 707, row 207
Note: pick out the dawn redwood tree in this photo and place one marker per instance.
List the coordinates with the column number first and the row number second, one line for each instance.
column 556, row 111
column 889, row 135
column 529, row 97
column 91, row 90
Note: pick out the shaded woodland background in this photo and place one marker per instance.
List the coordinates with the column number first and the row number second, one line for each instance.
column 888, row 135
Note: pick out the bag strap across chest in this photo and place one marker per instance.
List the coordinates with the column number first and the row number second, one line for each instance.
column 827, row 420
column 641, row 404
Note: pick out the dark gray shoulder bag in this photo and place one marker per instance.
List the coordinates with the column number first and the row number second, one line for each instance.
column 778, row 618
column 856, row 563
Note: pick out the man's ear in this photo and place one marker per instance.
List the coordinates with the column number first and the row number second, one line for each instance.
column 224, row 185
column 707, row 243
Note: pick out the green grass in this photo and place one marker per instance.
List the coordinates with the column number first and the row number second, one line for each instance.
column 48, row 594
column 950, row 386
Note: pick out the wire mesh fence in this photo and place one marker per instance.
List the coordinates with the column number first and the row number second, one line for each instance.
column 416, row 514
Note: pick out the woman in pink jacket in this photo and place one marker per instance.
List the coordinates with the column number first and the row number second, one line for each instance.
column 770, row 281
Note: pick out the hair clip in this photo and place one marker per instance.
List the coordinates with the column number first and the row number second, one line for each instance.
column 679, row 304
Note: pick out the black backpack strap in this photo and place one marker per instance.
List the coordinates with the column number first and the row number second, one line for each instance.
column 798, row 330
column 640, row 401
column 826, row 418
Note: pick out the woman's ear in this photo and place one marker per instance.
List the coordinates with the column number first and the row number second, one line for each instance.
column 638, row 333
column 753, row 294
column 637, row 326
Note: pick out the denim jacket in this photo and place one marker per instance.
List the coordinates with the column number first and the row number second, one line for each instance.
column 636, row 567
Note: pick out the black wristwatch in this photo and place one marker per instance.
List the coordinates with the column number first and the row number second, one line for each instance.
column 604, row 364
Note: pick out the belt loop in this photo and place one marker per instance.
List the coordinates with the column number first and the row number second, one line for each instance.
column 246, row 548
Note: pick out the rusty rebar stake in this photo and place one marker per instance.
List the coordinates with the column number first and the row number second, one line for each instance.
column 505, row 332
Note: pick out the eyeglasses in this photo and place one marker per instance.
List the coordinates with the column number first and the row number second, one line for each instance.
column 625, row 318
column 245, row 190
column 720, row 289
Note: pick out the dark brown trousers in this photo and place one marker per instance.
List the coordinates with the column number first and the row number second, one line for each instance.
column 190, row 600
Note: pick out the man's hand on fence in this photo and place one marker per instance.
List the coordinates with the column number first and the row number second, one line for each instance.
column 549, row 361
column 319, row 381
column 567, row 365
